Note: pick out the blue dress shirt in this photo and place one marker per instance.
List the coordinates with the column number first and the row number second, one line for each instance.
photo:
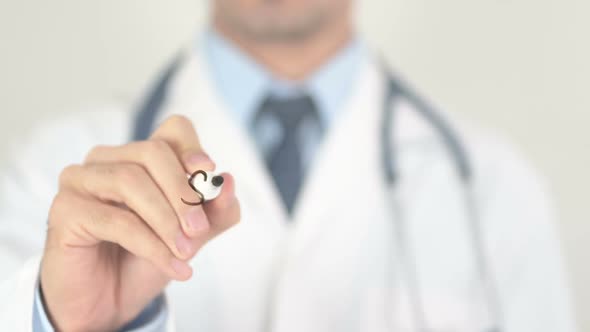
column 242, row 84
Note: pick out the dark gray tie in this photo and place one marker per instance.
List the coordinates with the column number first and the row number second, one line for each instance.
column 284, row 159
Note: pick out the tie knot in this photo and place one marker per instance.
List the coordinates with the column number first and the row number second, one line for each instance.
column 288, row 111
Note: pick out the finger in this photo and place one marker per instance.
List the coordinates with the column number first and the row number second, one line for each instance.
column 179, row 132
column 131, row 185
column 96, row 221
column 165, row 169
column 224, row 211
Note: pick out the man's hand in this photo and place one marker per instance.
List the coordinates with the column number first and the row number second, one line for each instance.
column 118, row 231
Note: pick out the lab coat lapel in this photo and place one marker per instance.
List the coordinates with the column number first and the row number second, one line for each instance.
column 346, row 156
column 348, row 163
column 342, row 245
column 340, row 205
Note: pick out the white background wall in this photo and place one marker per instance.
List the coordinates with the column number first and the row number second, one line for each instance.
column 519, row 66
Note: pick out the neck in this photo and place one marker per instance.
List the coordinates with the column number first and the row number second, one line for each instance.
column 284, row 58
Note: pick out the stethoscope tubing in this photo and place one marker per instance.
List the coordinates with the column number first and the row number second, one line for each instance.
column 397, row 89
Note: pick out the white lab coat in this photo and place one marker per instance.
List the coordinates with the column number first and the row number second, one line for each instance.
column 333, row 268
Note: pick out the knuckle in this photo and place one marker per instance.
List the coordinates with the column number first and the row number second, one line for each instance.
column 100, row 217
column 155, row 147
column 179, row 121
column 59, row 208
column 67, row 173
column 106, row 170
column 95, row 151
column 118, row 223
column 129, row 174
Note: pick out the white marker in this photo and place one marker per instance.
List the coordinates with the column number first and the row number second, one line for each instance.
column 206, row 185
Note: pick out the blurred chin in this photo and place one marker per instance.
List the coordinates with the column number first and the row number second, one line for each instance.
column 274, row 21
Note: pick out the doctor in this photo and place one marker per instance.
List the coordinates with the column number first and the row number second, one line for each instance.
column 287, row 98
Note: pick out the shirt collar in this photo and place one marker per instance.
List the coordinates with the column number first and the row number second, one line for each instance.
column 242, row 82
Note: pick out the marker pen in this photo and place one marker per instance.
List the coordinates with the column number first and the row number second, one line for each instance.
column 207, row 185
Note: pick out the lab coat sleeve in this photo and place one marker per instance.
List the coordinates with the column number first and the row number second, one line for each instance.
column 523, row 244
column 28, row 184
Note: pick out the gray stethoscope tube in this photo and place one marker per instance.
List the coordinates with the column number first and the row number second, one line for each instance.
column 396, row 89
column 152, row 103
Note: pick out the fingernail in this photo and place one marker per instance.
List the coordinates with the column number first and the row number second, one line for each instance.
column 202, row 159
column 184, row 245
column 180, row 267
column 196, row 219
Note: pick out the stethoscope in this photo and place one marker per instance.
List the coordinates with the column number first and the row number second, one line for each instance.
column 396, row 90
